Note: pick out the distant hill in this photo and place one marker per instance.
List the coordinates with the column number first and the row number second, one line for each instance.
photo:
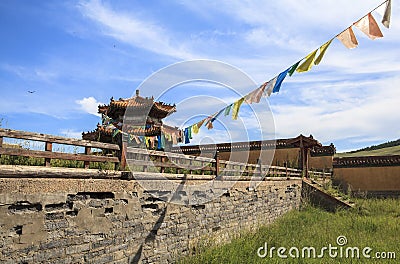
column 388, row 148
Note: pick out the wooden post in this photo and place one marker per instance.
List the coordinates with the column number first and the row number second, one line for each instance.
column 1, row 143
column 190, row 165
column 87, row 152
column 122, row 161
column 286, row 165
column 306, row 161
column 162, row 169
column 259, row 167
column 48, row 147
column 216, row 163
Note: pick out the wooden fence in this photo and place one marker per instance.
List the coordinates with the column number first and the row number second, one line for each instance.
column 142, row 160
column 159, row 161
column 48, row 153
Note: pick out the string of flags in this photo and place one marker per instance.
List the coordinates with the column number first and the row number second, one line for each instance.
column 159, row 142
column 367, row 24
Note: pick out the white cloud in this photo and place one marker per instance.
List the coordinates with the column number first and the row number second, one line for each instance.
column 128, row 28
column 364, row 112
column 89, row 105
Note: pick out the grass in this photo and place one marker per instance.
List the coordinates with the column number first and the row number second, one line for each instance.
column 377, row 152
column 372, row 223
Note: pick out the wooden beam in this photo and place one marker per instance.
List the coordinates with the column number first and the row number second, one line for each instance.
column 20, row 171
column 56, row 155
column 9, row 133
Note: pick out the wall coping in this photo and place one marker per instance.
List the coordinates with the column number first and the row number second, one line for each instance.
column 366, row 161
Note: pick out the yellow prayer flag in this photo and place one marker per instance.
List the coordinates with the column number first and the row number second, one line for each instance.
column 308, row 63
column 236, row 107
column 195, row 129
column 322, row 51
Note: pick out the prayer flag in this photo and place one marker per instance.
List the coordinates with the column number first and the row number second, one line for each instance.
column 255, row 96
column 270, row 86
column 369, row 26
column 209, row 125
column 228, row 110
column 236, row 107
column 308, row 63
column 199, row 124
column 147, row 141
column 322, row 51
column 279, row 81
column 348, row 38
column 388, row 14
column 190, row 132
column 293, row 68
column 195, row 129
column 115, row 132
column 187, row 139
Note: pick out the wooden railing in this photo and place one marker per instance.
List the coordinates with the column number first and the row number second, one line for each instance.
column 48, row 153
column 144, row 160
column 141, row 160
column 320, row 174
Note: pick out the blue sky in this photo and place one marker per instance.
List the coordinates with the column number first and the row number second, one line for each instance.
column 77, row 54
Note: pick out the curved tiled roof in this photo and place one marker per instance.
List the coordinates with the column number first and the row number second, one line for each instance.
column 158, row 109
column 153, row 131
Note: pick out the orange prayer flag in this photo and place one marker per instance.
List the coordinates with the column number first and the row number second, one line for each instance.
column 369, row 26
column 348, row 38
column 255, row 96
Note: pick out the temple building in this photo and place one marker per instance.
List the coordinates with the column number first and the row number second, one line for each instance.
column 299, row 152
column 139, row 119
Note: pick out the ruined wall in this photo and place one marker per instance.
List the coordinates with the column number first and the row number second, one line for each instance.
column 104, row 221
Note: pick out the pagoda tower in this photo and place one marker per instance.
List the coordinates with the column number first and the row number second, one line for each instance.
column 141, row 121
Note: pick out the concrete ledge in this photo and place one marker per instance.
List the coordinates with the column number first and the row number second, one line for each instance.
column 318, row 197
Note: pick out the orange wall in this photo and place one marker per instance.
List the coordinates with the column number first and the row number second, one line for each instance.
column 279, row 157
column 369, row 178
column 320, row 162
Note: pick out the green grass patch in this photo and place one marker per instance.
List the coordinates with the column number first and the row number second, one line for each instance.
column 377, row 152
column 372, row 223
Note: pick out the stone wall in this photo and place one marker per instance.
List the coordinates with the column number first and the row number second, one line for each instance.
column 117, row 221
